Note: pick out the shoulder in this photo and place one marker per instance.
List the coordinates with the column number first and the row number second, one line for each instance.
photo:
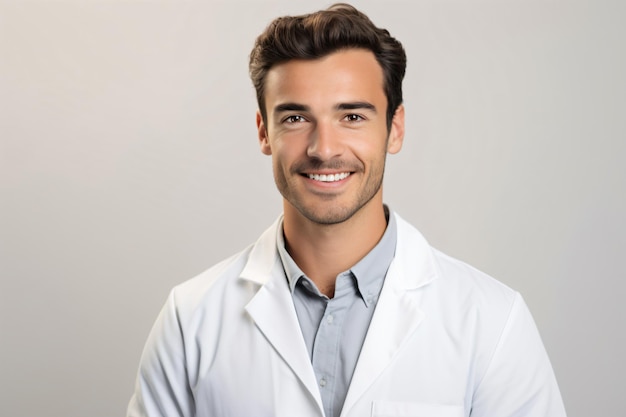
column 456, row 282
column 215, row 276
column 461, row 301
column 234, row 280
column 207, row 289
column 459, row 277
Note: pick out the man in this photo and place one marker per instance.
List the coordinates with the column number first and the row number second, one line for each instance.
column 340, row 308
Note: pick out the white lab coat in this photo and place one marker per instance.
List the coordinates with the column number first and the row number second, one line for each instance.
column 445, row 341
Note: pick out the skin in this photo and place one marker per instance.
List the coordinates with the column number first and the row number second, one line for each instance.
column 328, row 117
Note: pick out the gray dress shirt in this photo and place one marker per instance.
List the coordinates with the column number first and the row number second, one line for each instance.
column 334, row 328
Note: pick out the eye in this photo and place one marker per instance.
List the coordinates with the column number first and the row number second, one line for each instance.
column 354, row 118
column 294, row 119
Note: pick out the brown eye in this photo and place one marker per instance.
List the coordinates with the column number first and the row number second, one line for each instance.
column 295, row 119
column 354, row 118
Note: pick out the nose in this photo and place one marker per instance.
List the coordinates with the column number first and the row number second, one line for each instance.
column 325, row 142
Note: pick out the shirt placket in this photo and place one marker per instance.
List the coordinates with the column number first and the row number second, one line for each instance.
column 326, row 349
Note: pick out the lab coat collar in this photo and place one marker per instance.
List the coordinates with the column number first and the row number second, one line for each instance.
column 413, row 256
column 412, row 268
column 273, row 312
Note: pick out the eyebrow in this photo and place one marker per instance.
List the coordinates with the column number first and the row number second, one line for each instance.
column 354, row 105
column 290, row 107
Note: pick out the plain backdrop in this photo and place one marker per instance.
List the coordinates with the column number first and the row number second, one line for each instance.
column 129, row 163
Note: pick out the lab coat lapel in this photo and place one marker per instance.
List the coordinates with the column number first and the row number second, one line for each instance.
column 273, row 311
column 397, row 313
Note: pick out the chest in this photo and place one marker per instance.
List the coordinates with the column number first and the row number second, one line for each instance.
column 245, row 375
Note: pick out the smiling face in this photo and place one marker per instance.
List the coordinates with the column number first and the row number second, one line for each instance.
column 327, row 133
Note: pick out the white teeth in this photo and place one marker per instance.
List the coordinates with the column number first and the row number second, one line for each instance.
column 329, row 177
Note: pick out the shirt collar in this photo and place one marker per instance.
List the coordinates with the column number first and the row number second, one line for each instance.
column 369, row 272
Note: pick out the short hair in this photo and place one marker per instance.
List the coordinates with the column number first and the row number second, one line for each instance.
column 318, row 34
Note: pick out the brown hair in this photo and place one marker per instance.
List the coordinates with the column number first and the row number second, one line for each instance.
column 318, row 34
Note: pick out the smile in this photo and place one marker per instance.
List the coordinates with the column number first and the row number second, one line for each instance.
column 329, row 177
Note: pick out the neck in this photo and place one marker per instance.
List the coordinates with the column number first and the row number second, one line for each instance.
column 324, row 251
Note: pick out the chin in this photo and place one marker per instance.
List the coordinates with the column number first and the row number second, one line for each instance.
column 322, row 216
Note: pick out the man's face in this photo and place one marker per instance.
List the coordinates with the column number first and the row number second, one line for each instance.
column 326, row 131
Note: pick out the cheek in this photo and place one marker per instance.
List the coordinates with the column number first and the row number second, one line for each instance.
column 287, row 150
column 282, row 160
column 371, row 150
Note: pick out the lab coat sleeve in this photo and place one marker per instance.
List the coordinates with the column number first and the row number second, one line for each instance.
column 519, row 380
column 162, row 387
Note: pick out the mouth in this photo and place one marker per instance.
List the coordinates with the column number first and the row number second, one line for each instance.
column 329, row 177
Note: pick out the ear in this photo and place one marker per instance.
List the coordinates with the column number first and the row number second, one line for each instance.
column 396, row 133
column 262, row 134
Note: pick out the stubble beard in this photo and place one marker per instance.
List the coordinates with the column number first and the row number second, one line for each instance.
column 331, row 213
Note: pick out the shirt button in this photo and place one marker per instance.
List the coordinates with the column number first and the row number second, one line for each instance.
column 330, row 319
column 323, row 382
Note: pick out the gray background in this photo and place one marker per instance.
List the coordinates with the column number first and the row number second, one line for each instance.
column 129, row 163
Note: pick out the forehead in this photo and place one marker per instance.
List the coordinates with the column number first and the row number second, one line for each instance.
column 349, row 74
